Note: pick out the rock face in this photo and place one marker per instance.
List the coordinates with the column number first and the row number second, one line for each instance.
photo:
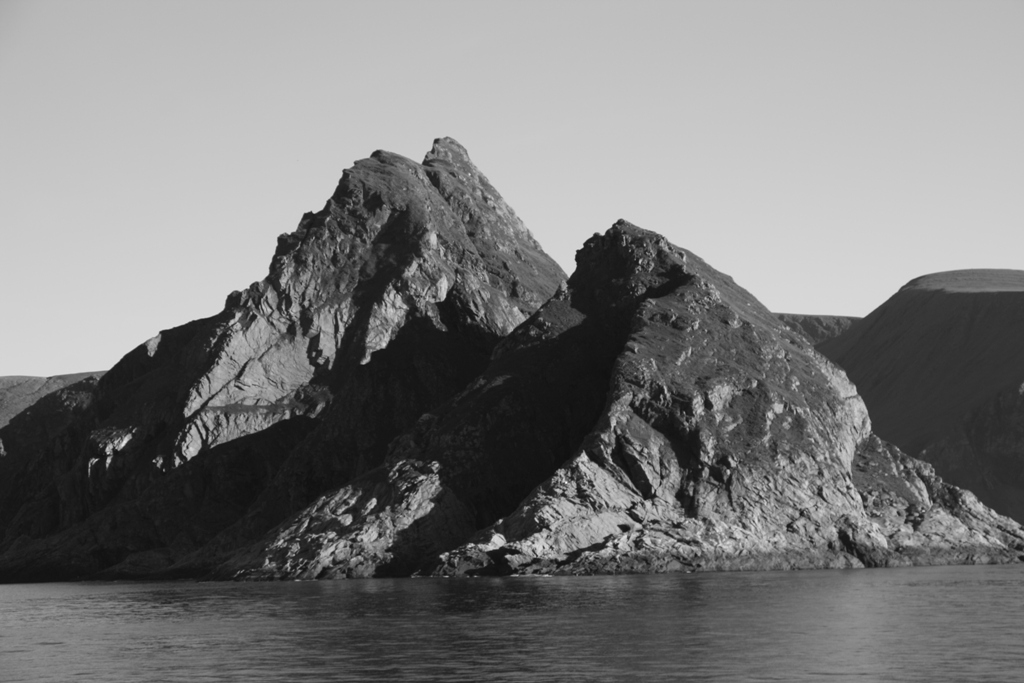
column 45, row 408
column 56, row 406
column 377, row 308
column 940, row 368
column 817, row 328
column 652, row 416
column 984, row 451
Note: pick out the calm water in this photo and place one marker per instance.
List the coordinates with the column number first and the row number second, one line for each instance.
column 928, row 624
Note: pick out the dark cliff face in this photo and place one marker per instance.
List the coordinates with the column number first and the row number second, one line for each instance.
column 376, row 309
column 60, row 406
column 984, row 451
column 940, row 369
column 39, row 408
column 652, row 416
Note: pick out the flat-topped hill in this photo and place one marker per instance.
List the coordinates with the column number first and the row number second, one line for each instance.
column 936, row 363
column 974, row 280
column 934, row 350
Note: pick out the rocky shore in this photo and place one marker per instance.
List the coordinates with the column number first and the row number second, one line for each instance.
column 416, row 388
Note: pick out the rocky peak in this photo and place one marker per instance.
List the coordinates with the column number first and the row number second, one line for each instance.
column 623, row 266
column 449, row 151
column 397, row 242
column 376, row 308
column 652, row 416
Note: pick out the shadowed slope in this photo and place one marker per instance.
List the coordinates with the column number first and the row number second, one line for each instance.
column 377, row 308
column 653, row 416
column 18, row 393
column 940, row 367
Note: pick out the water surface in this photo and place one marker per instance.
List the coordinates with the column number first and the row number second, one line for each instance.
column 923, row 624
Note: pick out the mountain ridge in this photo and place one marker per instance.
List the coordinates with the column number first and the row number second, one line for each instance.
column 724, row 441
column 378, row 306
column 416, row 388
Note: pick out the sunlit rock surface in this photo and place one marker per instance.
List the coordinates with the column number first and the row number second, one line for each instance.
column 377, row 308
column 652, row 416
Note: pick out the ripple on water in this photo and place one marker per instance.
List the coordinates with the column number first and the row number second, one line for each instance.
column 923, row 624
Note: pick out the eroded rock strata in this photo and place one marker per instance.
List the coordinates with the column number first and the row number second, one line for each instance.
column 940, row 369
column 652, row 416
column 377, row 308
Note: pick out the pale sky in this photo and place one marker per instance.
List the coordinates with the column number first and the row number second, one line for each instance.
column 822, row 153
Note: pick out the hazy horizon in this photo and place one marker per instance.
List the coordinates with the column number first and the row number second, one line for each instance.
column 822, row 154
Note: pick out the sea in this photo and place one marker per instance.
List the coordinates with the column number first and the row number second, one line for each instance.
column 914, row 624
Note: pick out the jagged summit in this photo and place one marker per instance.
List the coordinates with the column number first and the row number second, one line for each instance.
column 376, row 308
column 973, row 280
column 416, row 387
column 651, row 416
column 448, row 150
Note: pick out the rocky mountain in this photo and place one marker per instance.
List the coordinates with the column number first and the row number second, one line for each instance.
column 817, row 328
column 376, row 309
column 416, row 388
column 652, row 416
column 940, row 367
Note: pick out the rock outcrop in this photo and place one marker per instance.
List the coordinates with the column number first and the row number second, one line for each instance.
column 652, row 416
column 817, row 328
column 376, row 309
column 940, row 369
column 416, row 389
